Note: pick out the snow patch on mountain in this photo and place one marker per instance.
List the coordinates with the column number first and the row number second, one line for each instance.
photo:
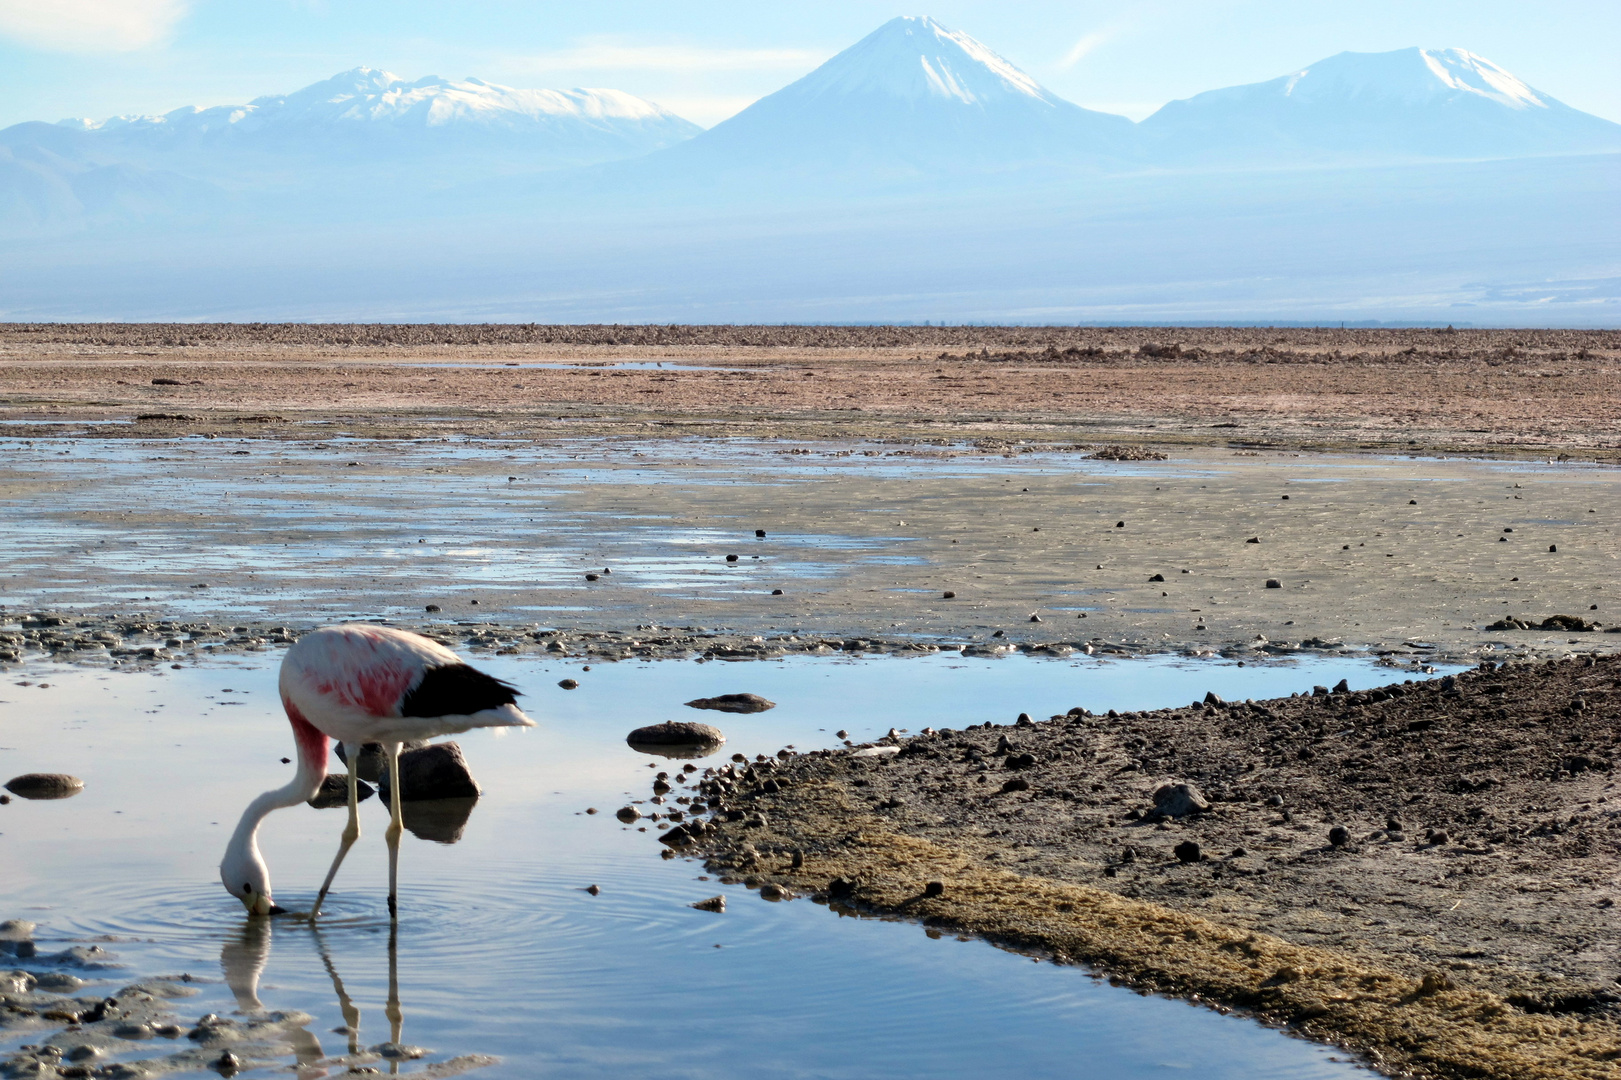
column 367, row 96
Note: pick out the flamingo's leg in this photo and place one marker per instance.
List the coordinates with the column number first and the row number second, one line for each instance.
column 351, row 831
column 396, row 826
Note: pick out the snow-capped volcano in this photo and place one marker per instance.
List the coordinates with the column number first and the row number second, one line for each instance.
column 365, row 101
column 1411, row 103
column 912, row 94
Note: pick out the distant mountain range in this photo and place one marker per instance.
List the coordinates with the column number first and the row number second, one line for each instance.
column 917, row 174
column 911, row 99
column 361, row 131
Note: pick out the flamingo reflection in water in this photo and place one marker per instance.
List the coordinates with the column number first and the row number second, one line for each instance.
column 243, row 958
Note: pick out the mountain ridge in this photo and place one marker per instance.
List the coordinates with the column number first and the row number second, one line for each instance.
column 1409, row 103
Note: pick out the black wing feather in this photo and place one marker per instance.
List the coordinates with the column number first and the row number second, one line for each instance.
column 456, row 690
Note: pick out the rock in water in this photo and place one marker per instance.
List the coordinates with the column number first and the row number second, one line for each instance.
column 676, row 733
column 44, row 785
column 734, row 703
column 334, row 791
column 438, row 771
column 714, row 903
column 373, row 762
column 1179, row 800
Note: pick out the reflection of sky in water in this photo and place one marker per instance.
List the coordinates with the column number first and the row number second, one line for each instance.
column 299, row 528
column 500, row 949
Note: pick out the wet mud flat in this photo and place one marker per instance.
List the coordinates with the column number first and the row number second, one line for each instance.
column 1424, row 872
column 666, row 547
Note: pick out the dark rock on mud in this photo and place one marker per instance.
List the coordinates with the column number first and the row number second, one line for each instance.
column 1560, row 623
column 733, row 703
column 334, row 792
column 1188, row 851
column 436, row 771
column 1179, row 800
column 44, row 785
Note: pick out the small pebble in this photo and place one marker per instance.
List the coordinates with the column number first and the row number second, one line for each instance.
column 568, row 684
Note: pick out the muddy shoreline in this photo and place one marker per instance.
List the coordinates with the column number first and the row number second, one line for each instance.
column 1460, row 925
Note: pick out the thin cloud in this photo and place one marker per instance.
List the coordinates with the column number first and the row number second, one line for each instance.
column 93, row 26
column 1087, row 43
column 612, row 56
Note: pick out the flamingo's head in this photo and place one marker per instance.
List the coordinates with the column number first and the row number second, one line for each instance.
column 247, row 878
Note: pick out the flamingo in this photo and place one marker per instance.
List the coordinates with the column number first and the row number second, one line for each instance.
column 361, row 683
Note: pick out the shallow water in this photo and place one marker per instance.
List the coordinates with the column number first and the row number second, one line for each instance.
column 500, row 951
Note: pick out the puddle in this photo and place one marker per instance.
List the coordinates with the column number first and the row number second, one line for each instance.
column 500, row 949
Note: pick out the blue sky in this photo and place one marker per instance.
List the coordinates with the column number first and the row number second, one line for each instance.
column 95, row 58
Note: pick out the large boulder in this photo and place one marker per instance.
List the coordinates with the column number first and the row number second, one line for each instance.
column 437, row 771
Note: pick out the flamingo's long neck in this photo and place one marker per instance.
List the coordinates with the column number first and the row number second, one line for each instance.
column 312, row 760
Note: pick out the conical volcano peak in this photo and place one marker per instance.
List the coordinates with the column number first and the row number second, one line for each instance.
column 914, row 58
column 1413, row 76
